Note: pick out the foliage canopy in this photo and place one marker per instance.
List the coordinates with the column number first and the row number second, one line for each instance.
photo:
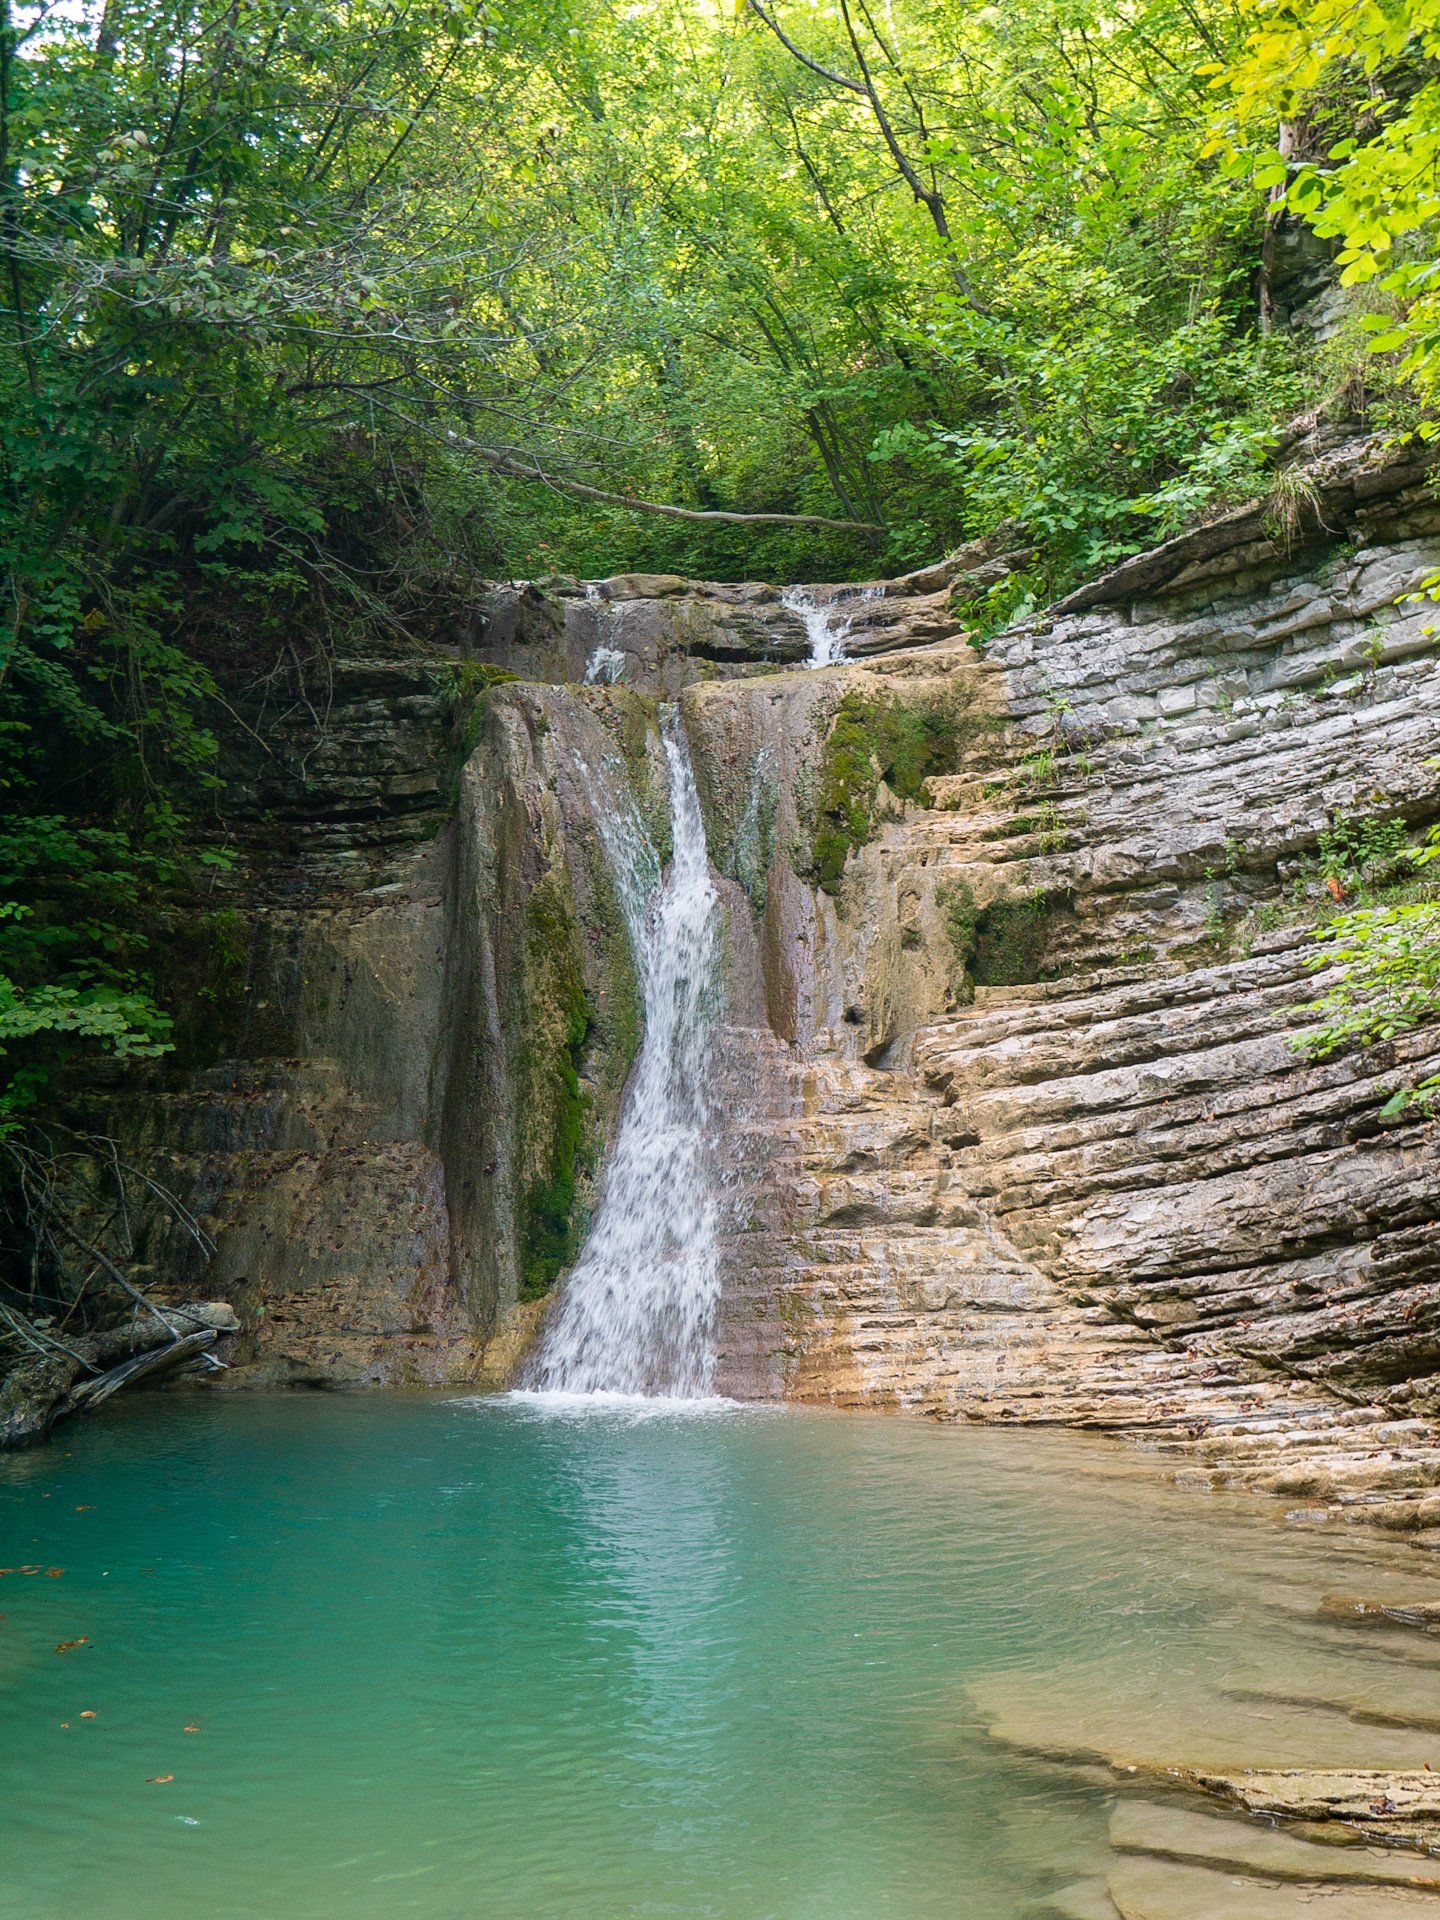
column 314, row 314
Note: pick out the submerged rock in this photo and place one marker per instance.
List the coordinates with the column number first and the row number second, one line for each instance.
column 1163, row 1890
column 1175, row 1831
column 1354, row 1611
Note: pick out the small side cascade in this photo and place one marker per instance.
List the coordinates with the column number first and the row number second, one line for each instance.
column 606, row 664
column 827, row 622
column 637, row 1313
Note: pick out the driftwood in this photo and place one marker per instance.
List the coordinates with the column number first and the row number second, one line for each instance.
column 74, row 1331
column 89, row 1393
column 49, row 1386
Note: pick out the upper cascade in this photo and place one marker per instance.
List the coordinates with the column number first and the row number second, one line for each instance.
column 637, row 1313
column 827, row 622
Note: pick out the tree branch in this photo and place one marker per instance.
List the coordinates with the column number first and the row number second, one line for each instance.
column 501, row 463
column 835, row 79
column 520, row 470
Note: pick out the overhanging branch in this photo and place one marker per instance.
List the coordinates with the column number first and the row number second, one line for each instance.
column 825, row 73
column 515, row 470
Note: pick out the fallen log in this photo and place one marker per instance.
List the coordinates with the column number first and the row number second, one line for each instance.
column 52, row 1381
column 89, row 1393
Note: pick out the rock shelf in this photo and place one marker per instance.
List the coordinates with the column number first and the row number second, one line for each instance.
column 1084, row 1178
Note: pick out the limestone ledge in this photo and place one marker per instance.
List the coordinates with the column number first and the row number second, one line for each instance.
column 1089, row 1182
column 1111, row 1192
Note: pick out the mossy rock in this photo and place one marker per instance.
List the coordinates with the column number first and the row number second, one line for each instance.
column 557, row 1120
column 1002, row 945
column 878, row 740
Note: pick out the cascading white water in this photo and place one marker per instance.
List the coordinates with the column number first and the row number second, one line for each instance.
column 606, row 664
column 637, row 1313
column 827, row 622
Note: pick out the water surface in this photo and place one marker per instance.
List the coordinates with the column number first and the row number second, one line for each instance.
column 489, row 1661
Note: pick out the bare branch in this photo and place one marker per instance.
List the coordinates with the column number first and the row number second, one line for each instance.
column 825, row 73
column 500, row 463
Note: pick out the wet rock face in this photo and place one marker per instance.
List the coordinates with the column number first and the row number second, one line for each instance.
column 387, row 1115
column 1047, row 1152
column 657, row 633
column 407, row 1019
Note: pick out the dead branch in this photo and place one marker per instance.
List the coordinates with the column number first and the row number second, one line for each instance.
column 90, row 1393
column 501, row 463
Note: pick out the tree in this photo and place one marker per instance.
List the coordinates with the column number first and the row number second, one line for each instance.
column 314, row 312
column 1334, row 109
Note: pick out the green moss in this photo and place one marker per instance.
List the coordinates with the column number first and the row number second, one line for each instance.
column 202, row 967
column 1010, row 942
column 634, row 718
column 875, row 738
column 225, row 945
column 1002, row 945
column 557, row 1118
column 956, row 900
column 465, row 687
column 550, row 1230
column 1047, row 824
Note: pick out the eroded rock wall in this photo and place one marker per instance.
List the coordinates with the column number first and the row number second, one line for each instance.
column 395, row 1082
column 1015, row 938
column 1046, row 1150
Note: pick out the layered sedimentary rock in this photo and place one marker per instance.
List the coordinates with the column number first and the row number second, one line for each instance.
column 408, row 1013
column 387, row 1111
column 1101, row 1185
column 1015, row 938
column 659, row 633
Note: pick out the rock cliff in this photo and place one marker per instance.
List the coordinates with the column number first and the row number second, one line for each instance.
column 1016, row 934
column 1044, row 1150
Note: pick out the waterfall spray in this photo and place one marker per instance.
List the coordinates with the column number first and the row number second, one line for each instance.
column 637, row 1313
column 827, row 623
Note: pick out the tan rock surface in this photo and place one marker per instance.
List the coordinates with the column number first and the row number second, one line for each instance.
column 1160, row 1890
column 1110, row 1193
column 1093, row 1185
column 1170, row 1830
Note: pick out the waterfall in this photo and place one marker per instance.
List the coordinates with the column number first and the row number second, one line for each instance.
column 606, row 664
column 827, row 622
column 637, row 1313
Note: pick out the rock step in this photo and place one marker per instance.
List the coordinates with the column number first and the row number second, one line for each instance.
column 1144, row 1889
column 923, row 1198
column 1399, row 1807
column 1083, row 1900
column 1170, row 1830
column 1357, row 1610
column 1183, row 1731
column 1402, row 1701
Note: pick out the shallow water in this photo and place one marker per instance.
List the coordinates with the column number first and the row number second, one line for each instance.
column 512, row 1659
